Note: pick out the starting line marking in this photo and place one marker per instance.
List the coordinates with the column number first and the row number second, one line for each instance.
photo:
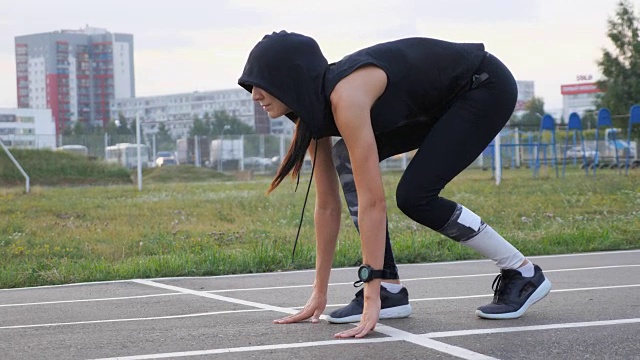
column 216, row 297
column 395, row 335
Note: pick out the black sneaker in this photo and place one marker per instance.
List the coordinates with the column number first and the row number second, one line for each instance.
column 514, row 294
column 393, row 306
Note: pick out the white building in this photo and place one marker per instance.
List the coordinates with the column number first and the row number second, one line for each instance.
column 579, row 98
column 28, row 128
column 177, row 111
column 526, row 93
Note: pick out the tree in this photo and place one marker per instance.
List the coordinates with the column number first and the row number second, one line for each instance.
column 589, row 120
column 199, row 127
column 236, row 127
column 621, row 66
column 66, row 130
column 79, row 128
column 111, row 128
column 126, row 128
column 164, row 141
column 531, row 119
column 213, row 127
column 513, row 120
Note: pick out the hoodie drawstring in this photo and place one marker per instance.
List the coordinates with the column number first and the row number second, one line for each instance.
column 304, row 205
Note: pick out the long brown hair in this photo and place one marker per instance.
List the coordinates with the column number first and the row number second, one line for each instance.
column 295, row 155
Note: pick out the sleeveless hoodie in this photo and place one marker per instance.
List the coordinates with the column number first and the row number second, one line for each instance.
column 424, row 76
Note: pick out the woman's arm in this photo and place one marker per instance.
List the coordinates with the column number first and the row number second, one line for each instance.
column 327, row 212
column 327, row 225
column 351, row 102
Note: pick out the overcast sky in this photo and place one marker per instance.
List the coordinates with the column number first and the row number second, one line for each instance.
column 189, row 45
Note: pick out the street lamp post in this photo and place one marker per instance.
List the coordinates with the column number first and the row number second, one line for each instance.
column 226, row 127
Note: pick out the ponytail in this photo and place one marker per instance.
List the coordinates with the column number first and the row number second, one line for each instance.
column 295, row 155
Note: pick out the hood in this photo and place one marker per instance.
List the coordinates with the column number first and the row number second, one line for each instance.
column 291, row 67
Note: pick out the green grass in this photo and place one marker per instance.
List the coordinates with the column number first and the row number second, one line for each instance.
column 210, row 226
column 58, row 168
column 181, row 174
column 51, row 168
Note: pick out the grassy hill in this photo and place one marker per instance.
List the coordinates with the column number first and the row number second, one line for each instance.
column 182, row 174
column 58, row 168
column 46, row 167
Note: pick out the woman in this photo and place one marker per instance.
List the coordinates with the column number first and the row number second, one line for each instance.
column 447, row 100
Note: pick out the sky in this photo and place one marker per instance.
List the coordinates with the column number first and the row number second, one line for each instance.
column 199, row 45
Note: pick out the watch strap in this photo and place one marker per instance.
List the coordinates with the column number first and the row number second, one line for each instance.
column 377, row 274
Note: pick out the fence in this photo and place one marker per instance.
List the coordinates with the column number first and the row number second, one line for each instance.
column 263, row 153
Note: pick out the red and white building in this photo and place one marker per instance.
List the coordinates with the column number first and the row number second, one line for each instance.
column 75, row 73
column 579, row 98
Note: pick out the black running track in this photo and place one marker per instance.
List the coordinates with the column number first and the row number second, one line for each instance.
column 592, row 312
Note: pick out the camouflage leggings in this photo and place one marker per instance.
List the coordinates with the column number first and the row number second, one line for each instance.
column 342, row 164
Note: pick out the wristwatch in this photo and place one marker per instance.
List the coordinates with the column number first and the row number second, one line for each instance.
column 366, row 273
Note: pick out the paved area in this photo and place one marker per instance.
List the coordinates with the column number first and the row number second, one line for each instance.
column 593, row 312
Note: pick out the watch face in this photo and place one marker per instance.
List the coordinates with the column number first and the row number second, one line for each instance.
column 363, row 273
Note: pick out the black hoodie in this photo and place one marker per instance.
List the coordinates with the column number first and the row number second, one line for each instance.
column 423, row 77
column 291, row 68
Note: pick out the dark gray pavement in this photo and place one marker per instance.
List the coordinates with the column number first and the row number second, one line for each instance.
column 593, row 312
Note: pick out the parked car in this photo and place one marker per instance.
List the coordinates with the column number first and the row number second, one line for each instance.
column 577, row 152
column 255, row 161
column 164, row 161
column 165, row 158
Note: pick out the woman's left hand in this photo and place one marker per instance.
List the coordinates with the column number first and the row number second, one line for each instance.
column 370, row 314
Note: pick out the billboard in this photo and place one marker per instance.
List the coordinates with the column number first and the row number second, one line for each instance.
column 583, row 88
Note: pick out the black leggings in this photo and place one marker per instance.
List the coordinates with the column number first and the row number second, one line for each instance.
column 453, row 143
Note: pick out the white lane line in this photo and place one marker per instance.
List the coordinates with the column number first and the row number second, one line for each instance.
column 395, row 335
column 462, row 297
column 428, row 343
column 496, row 273
column 597, row 288
column 598, row 253
column 444, row 277
column 553, row 291
column 217, row 297
column 252, row 348
column 431, row 344
column 130, row 319
column 90, row 300
column 398, row 335
column 333, row 284
column 531, row 328
column 295, row 308
column 595, row 253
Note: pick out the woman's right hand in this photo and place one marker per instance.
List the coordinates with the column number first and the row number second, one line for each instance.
column 312, row 309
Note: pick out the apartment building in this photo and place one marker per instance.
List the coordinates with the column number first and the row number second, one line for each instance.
column 177, row 111
column 75, row 73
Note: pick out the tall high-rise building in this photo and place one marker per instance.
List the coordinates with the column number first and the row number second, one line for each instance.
column 75, row 73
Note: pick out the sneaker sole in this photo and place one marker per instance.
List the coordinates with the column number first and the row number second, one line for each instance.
column 538, row 295
column 396, row 312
